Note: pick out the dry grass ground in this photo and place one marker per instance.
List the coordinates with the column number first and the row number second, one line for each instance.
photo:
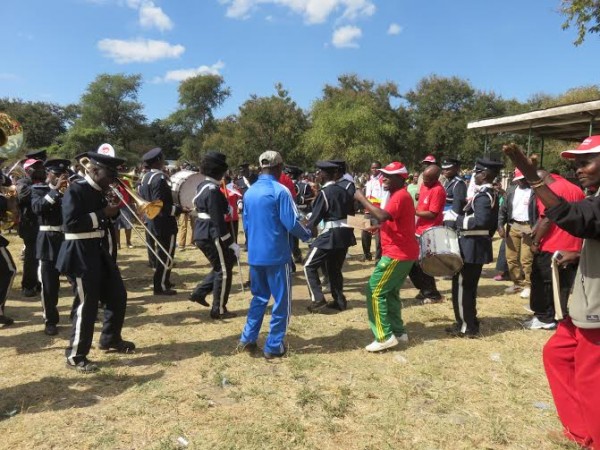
column 186, row 380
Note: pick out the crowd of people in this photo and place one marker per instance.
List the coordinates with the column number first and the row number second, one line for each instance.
column 70, row 220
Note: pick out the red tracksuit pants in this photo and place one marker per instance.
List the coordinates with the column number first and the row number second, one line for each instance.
column 572, row 362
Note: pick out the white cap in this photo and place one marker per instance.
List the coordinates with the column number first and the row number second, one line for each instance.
column 270, row 158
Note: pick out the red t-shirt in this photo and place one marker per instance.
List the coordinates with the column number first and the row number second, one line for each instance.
column 557, row 238
column 397, row 235
column 431, row 199
column 288, row 183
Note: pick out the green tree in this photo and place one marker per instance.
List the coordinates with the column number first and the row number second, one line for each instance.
column 199, row 96
column 354, row 121
column 584, row 15
column 109, row 111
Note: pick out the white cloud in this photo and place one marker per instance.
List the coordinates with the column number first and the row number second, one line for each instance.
column 313, row 11
column 346, row 37
column 152, row 16
column 139, row 50
column 184, row 74
column 394, row 29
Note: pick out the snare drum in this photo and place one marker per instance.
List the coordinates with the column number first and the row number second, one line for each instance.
column 183, row 185
column 440, row 253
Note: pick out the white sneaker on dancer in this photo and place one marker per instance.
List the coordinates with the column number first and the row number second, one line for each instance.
column 376, row 346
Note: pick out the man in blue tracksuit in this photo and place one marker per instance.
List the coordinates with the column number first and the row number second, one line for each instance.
column 270, row 216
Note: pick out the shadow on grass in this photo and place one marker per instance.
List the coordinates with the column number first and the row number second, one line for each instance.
column 60, row 393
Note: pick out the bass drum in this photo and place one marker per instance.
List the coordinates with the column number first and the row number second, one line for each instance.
column 183, row 185
column 440, row 253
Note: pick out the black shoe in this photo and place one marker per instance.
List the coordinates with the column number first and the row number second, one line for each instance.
column 316, row 306
column 367, row 257
column 270, row 356
column 170, row 285
column 338, row 306
column 225, row 315
column 247, row 285
column 6, row 321
column 420, row 296
column 29, row 292
column 85, row 366
column 166, row 292
column 298, row 259
column 454, row 329
column 120, row 347
column 198, row 299
column 50, row 329
column 249, row 347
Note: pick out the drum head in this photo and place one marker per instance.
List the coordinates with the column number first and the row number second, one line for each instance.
column 184, row 185
column 442, row 265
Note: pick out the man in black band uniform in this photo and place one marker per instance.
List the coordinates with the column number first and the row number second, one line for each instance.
column 304, row 197
column 8, row 269
column 28, row 224
column 476, row 225
column 46, row 203
column 456, row 188
column 212, row 235
column 85, row 257
column 333, row 205
column 155, row 186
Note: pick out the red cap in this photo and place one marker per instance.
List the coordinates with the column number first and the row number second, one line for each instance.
column 518, row 175
column 395, row 168
column 589, row 145
column 429, row 159
column 30, row 162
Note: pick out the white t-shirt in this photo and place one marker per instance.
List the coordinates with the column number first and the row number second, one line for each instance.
column 520, row 205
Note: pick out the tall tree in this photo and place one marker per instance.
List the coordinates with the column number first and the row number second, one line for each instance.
column 354, row 121
column 199, row 96
column 110, row 111
column 582, row 14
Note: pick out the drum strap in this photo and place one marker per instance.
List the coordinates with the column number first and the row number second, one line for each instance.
column 207, row 185
column 475, row 233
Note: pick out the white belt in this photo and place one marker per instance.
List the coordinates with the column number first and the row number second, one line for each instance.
column 89, row 235
column 475, row 233
column 334, row 224
column 204, row 216
column 50, row 228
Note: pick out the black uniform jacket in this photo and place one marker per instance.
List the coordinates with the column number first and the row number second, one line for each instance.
column 333, row 204
column 304, row 195
column 209, row 200
column 28, row 223
column 456, row 194
column 46, row 203
column 155, row 186
column 476, row 226
column 3, row 208
column 82, row 212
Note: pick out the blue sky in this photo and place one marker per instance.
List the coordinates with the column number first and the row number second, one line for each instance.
column 54, row 48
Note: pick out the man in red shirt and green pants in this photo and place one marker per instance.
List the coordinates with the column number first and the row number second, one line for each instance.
column 399, row 250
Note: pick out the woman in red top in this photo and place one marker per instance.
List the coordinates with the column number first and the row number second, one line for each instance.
column 399, row 249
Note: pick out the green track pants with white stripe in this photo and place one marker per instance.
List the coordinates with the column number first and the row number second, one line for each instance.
column 383, row 297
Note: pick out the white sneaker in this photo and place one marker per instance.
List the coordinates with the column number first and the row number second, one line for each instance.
column 525, row 293
column 512, row 289
column 402, row 338
column 376, row 346
column 537, row 324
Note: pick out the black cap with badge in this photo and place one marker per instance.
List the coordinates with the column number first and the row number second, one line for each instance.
column 106, row 161
column 450, row 162
column 152, row 156
column 57, row 165
column 489, row 165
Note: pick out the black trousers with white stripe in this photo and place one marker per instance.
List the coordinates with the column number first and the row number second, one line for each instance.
column 218, row 281
column 30, row 263
column 49, row 276
column 102, row 284
column 162, row 276
column 464, row 297
column 8, row 269
column 332, row 260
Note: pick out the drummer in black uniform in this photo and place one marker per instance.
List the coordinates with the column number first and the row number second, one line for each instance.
column 46, row 203
column 155, row 186
column 333, row 205
column 84, row 256
column 456, row 188
column 476, row 225
column 213, row 237
column 8, row 269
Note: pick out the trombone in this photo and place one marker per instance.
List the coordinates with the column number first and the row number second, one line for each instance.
column 150, row 210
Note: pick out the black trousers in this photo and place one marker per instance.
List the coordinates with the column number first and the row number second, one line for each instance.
column 541, row 299
column 424, row 283
column 103, row 284
column 332, row 260
column 150, row 244
column 218, row 281
column 8, row 269
column 162, row 276
column 464, row 297
column 30, row 264
column 365, row 237
column 49, row 276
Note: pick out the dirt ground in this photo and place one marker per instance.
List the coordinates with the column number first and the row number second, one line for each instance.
column 187, row 387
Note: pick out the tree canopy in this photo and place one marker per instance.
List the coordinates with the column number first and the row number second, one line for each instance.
column 584, row 15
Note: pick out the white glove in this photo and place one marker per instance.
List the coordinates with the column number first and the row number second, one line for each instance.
column 450, row 216
column 236, row 249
